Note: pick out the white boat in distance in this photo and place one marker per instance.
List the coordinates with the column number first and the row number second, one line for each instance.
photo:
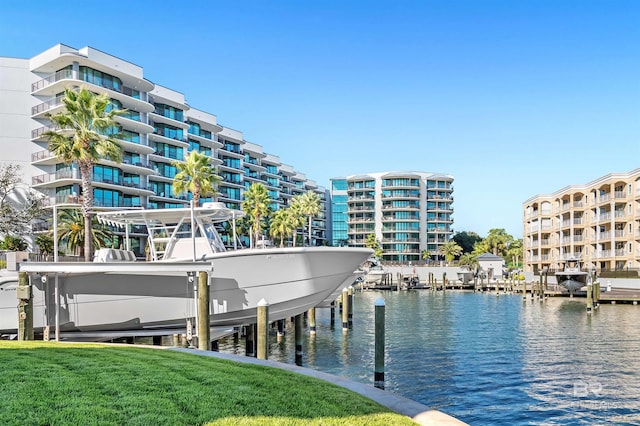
column 135, row 295
column 572, row 277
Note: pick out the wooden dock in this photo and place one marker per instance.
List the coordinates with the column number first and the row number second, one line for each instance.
column 616, row 295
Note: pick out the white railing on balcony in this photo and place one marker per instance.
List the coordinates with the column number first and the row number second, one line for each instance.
column 604, row 235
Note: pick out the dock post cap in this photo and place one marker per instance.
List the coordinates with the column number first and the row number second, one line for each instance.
column 345, row 289
column 379, row 302
column 263, row 302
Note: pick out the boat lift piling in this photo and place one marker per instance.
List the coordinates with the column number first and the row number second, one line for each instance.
column 203, row 319
column 263, row 329
column 312, row 321
column 298, row 338
column 345, row 310
column 378, row 372
column 350, row 306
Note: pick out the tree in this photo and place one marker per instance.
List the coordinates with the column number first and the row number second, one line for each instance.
column 45, row 244
column 283, row 224
column 425, row 255
column 13, row 243
column 90, row 118
column 256, row 206
column 372, row 243
column 497, row 241
column 466, row 240
column 297, row 215
column 310, row 207
column 469, row 260
column 195, row 175
column 450, row 250
column 515, row 253
column 19, row 205
column 71, row 232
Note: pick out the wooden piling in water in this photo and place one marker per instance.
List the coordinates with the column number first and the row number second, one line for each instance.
column 333, row 314
column 345, row 310
column 280, row 333
column 350, row 306
column 263, row 330
column 378, row 372
column 25, row 307
column 249, row 340
column 312, row 321
column 589, row 298
column 204, row 317
column 524, row 290
column 298, row 338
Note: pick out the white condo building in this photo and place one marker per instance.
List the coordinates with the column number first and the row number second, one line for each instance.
column 408, row 212
column 158, row 128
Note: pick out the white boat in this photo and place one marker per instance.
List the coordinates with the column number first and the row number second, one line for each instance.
column 375, row 273
column 572, row 277
column 353, row 279
column 159, row 294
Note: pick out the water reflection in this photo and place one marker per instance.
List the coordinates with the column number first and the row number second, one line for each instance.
column 487, row 359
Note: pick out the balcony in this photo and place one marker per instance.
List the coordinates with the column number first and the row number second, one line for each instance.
column 58, row 81
column 61, row 175
column 40, row 109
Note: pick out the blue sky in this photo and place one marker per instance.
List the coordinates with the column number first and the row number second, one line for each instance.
column 513, row 98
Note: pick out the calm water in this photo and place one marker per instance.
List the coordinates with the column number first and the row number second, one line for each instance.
column 486, row 359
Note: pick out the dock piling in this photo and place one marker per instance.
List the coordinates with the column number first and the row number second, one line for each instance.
column 204, row 328
column 298, row 338
column 350, row 306
column 263, row 329
column 345, row 310
column 312, row 321
column 378, row 373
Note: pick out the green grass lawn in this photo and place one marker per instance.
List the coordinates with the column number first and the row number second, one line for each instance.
column 47, row 383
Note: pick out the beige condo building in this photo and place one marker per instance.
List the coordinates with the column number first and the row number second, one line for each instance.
column 598, row 222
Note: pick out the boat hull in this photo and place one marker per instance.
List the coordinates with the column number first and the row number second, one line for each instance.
column 290, row 280
column 572, row 281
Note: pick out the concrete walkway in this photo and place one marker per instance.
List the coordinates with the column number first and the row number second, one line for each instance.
column 416, row 411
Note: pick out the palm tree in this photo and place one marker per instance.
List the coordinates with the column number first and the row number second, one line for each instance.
column 310, row 207
column 283, row 224
column 90, row 118
column 498, row 240
column 195, row 175
column 44, row 242
column 297, row 216
column 469, row 260
column 372, row 243
column 71, row 232
column 426, row 255
column 256, row 206
column 450, row 250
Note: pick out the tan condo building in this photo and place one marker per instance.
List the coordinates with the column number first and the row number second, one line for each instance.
column 598, row 222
